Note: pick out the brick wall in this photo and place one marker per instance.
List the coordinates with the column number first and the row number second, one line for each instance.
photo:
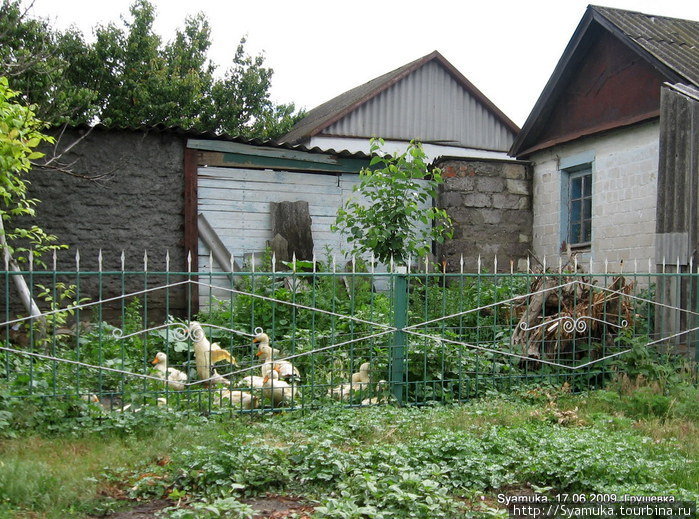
column 624, row 193
column 490, row 204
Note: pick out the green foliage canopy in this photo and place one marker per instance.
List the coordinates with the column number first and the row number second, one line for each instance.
column 385, row 219
column 129, row 77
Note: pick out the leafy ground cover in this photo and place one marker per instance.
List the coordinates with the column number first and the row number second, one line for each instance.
column 445, row 461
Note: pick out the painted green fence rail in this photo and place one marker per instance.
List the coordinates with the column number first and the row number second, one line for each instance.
column 428, row 337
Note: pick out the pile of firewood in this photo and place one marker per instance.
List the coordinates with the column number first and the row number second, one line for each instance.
column 563, row 321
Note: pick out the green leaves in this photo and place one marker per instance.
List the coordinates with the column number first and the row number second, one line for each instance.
column 130, row 77
column 228, row 507
column 355, row 463
column 20, row 133
column 384, row 215
column 417, row 462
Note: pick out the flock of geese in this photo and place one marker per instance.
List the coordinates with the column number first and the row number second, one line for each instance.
column 277, row 382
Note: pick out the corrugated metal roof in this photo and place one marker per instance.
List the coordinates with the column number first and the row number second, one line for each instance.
column 192, row 133
column 669, row 45
column 674, row 42
column 430, row 106
column 331, row 112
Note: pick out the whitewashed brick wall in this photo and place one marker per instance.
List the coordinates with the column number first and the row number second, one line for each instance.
column 624, row 191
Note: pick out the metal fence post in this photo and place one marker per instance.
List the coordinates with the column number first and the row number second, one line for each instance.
column 400, row 320
column 694, row 285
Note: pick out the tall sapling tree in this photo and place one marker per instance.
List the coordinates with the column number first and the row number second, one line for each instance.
column 20, row 134
column 391, row 215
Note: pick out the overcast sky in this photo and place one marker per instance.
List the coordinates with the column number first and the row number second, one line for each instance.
column 319, row 49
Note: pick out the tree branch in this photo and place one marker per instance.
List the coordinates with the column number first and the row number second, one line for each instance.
column 54, row 163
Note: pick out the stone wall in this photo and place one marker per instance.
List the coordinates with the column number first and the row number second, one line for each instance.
column 138, row 206
column 624, row 196
column 490, row 204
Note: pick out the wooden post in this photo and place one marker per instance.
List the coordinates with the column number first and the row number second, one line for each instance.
column 191, row 233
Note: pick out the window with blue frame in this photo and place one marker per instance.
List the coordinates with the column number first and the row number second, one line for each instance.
column 576, row 200
column 580, row 208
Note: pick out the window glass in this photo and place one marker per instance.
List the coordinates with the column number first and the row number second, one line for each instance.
column 575, row 187
column 575, row 215
column 579, row 207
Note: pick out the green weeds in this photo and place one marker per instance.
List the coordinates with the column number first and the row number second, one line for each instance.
column 374, row 462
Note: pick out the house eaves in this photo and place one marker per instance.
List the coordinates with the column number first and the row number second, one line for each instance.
column 671, row 45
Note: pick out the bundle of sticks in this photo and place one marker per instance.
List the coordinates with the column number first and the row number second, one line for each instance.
column 564, row 315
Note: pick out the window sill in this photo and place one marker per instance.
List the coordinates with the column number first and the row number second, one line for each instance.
column 581, row 247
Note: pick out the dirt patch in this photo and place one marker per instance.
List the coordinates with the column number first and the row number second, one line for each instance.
column 142, row 511
column 273, row 506
column 270, row 506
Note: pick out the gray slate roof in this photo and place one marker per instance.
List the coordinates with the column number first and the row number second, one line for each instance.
column 331, row 111
column 673, row 42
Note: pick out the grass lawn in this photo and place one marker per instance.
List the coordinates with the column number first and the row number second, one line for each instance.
column 445, row 461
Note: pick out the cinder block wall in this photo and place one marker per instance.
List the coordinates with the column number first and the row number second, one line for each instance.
column 624, row 194
column 490, row 204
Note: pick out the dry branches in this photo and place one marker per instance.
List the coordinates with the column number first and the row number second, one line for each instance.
column 568, row 317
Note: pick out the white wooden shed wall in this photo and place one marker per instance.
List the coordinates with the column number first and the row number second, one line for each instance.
column 236, row 202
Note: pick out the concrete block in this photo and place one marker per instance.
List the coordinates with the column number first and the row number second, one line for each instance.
column 461, row 184
column 487, row 169
column 471, row 216
column 518, row 187
column 492, row 216
column 490, row 185
column 478, row 200
column 450, row 199
column 506, row 201
column 515, row 171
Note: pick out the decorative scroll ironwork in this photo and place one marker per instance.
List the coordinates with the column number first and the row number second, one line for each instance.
column 573, row 324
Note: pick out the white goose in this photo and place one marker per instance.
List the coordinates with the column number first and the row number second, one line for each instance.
column 278, row 391
column 237, row 398
column 252, row 381
column 359, row 382
column 173, row 378
column 362, row 376
column 206, row 354
column 266, row 353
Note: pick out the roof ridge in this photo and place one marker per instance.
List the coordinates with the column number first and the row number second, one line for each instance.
column 339, row 106
column 317, row 118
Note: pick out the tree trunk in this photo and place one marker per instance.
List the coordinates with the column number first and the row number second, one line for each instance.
column 20, row 283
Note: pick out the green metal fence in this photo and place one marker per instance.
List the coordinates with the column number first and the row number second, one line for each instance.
column 427, row 336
